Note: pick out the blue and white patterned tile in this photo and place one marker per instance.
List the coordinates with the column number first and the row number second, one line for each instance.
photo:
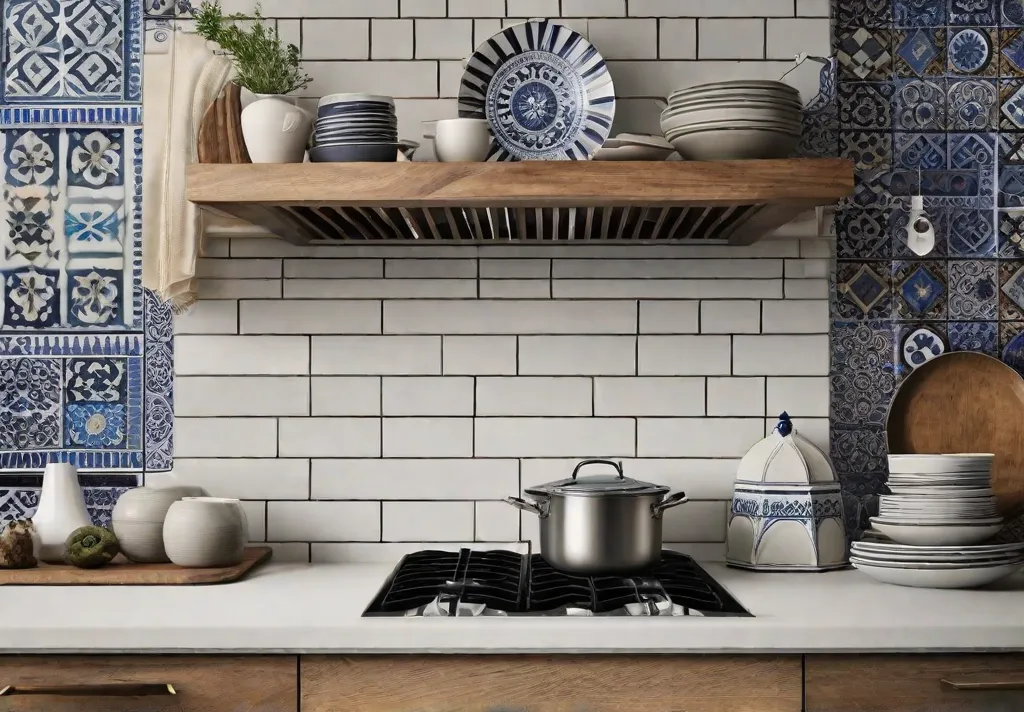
column 859, row 448
column 863, row 290
column 864, row 13
column 972, row 105
column 1011, row 234
column 159, row 385
column 159, row 8
column 1011, row 287
column 865, row 105
column 868, row 150
column 63, row 116
column 919, row 343
column 72, row 345
column 971, row 233
column 64, row 51
column 977, row 13
column 863, row 233
column 1011, row 104
column 18, row 504
column 921, row 290
column 920, row 52
column 919, row 105
column 973, row 51
column 979, row 336
column 927, row 151
column 1011, row 187
column 30, row 404
column 973, row 290
column 865, row 53
column 1012, row 13
column 862, row 353
column 919, row 13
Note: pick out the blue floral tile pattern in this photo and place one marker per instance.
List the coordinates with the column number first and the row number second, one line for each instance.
column 973, row 105
column 1012, row 13
column 921, row 290
column 974, row 336
column 159, row 385
column 919, row 105
column 29, row 404
column 984, row 13
column 72, row 50
column 921, row 52
column 971, row 233
column 971, row 51
column 973, row 290
column 919, row 13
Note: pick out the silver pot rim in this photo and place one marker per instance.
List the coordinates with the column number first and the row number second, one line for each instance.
column 606, row 485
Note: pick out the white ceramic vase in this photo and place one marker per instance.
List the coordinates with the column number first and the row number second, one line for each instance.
column 61, row 510
column 204, row 532
column 276, row 130
column 138, row 521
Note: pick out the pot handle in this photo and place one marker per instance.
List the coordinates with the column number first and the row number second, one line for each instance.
column 616, row 465
column 539, row 509
column 673, row 500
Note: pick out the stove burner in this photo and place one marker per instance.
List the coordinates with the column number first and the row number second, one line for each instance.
column 504, row 583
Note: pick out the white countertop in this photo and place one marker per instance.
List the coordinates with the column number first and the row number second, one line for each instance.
column 317, row 609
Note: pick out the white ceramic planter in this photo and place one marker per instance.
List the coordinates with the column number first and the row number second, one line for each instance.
column 276, row 130
column 138, row 521
column 205, row 532
column 61, row 511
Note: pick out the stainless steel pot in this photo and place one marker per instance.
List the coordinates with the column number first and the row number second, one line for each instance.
column 600, row 524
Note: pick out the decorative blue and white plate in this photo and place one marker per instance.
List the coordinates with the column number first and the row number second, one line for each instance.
column 544, row 90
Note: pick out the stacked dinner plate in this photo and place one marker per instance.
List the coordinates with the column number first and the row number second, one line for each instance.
column 734, row 120
column 940, row 509
column 936, row 566
column 355, row 127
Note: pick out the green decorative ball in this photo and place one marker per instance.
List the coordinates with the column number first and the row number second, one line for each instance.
column 90, row 547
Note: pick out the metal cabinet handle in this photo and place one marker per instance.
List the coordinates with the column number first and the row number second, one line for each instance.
column 126, row 689
column 965, row 684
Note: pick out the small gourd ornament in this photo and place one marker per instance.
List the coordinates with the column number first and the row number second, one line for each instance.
column 17, row 550
column 787, row 507
column 90, row 547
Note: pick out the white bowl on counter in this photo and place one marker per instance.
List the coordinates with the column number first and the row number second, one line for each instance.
column 205, row 532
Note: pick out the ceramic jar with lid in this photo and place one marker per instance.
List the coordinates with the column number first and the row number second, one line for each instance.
column 138, row 521
column 205, row 532
column 787, row 508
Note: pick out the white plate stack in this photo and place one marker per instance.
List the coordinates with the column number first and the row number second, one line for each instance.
column 735, row 120
column 941, row 508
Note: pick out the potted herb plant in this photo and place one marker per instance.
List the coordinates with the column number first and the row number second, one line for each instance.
column 274, row 128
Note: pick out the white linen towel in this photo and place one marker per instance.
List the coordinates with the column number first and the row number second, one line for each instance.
column 178, row 88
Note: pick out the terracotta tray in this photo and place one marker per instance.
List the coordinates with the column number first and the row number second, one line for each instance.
column 122, row 572
column 965, row 402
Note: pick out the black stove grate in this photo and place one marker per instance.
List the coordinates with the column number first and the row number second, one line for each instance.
column 528, row 585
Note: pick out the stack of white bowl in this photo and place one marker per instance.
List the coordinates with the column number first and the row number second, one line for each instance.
column 941, row 508
column 734, row 120
column 355, row 127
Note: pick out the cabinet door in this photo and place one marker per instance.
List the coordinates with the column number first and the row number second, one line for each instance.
column 33, row 683
column 543, row 683
column 915, row 683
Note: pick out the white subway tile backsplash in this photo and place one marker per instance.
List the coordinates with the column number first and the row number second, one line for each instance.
column 256, row 517
column 730, row 317
column 250, row 478
column 225, row 437
column 798, row 396
column 290, row 552
column 781, row 355
column 735, row 396
column 555, row 437
column 796, row 316
column 444, row 39
column 509, row 317
column 684, row 355
column 649, row 396
column 345, row 395
column 392, row 39
column 669, row 317
column 731, row 39
column 428, row 437
column 697, row 437
column 323, row 521
column 340, row 39
column 240, row 395
column 577, row 355
column 419, row 479
column 376, row 355
column 309, row 316
column 532, row 396
column 625, row 39
column 241, row 355
column 428, row 521
column 214, row 316
column 329, row 437
column 410, row 384
column 496, row 521
column 427, row 396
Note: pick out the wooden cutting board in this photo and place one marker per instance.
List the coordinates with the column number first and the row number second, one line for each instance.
column 964, row 402
column 122, row 572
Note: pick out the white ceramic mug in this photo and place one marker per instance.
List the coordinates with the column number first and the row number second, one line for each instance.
column 462, row 140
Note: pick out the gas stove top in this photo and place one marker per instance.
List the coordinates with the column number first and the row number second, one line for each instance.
column 505, row 583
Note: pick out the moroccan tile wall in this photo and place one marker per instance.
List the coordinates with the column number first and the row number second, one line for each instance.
column 931, row 102
column 85, row 353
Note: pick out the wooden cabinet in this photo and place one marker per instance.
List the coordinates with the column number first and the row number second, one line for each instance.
column 148, row 684
column 914, row 683
column 542, row 683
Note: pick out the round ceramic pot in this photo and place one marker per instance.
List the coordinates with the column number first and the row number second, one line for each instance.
column 276, row 130
column 205, row 532
column 138, row 521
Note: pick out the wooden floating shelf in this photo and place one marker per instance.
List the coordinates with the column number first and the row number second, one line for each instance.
column 733, row 201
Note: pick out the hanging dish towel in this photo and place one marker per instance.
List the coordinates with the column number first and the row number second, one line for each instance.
column 179, row 86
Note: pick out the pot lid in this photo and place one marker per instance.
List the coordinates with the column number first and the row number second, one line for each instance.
column 597, row 485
